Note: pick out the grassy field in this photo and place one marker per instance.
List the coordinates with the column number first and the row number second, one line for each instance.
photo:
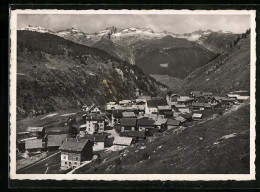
column 46, row 166
column 41, row 120
column 217, row 146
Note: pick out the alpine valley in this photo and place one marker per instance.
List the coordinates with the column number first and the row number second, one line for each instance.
column 63, row 69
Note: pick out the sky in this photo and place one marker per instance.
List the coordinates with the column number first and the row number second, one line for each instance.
column 173, row 23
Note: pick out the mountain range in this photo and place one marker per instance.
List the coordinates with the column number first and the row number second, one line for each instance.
column 67, row 68
column 154, row 52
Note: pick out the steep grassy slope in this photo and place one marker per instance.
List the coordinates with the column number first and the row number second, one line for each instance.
column 217, row 42
column 217, row 146
column 53, row 74
column 180, row 56
column 229, row 72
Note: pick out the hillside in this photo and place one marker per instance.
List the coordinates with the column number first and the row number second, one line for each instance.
column 54, row 73
column 205, row 147
column 148, row 49
column 170, row 56
column 216, row 42
column 228, row 72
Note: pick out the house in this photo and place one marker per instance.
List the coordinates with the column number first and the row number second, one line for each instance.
column 96, row 110
column 122, row 142
column 163, row 109
column 196, row 116
column 152, row 105
column 128, row 124
column 20, row 138
column 117, row 115
column 160, row 122
column 145, row 124
column 172, row 123
column 38, row 132
column 207, row 94
column 74, row 151
column 232, row 96
column 34, row 145
column 124, row 102
column 200, row 106
column 242, row 98
column 177, row 107
column 88, row 106
column 129, row 114
column 184, row 100
column 228, row 101
column 98, row 140
column 168, row 114
column 95, row 123
column 187, row 116
column 197, row 94
column 184, row 110
column 55, row 141
column 136, row 135
column 181, row 119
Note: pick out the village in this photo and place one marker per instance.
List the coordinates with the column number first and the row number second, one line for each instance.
column 85, row 135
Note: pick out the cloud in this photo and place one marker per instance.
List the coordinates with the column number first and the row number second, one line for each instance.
column 173, row 23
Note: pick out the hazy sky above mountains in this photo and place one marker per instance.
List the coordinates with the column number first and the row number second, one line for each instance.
column 172, row 23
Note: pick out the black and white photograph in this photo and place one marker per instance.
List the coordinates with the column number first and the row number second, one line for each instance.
column 132, row 94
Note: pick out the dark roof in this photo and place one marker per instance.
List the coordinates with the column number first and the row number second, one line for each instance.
column 197, row 104
column 156, row 102
column 140, row 134
column 173, row 122
column 168, row 112
column 228, row 99
column 74, row 145
column 117, row 113
column 128, row 122
column 207, row 93
column 96, row 137
column 145, row 122
column 186, row 115
column 56, row 140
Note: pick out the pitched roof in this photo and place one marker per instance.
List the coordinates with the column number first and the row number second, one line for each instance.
column 197, row 104
column 180, row 106
column 156, row 102
column 140, row 134
column 180, row 118
column 165, row 107
column 117, row 113
column 35, row 129
column 186, row 115
column 95, row 116
column 128, row 114
column 197, row 115
column 96, row 137
column 207, row 93
column 128, row 122
column 173, row 122
column 56, row 140
column 145, row 122
column 228, row 99
column 122, row 141
column 74, row 145
column 33, row 144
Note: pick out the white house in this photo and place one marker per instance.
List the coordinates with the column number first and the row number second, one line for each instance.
column 95, row 123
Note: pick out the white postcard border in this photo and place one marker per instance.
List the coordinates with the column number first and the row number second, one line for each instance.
column 125, row 177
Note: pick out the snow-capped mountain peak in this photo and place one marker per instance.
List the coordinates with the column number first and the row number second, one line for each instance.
column 37, row 29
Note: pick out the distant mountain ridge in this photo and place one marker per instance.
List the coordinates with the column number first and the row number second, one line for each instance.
column 181, row 53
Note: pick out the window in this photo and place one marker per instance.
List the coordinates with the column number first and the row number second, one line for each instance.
column 64, row 156
column 65, row 162
column 75, row 163
column 77, row 158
